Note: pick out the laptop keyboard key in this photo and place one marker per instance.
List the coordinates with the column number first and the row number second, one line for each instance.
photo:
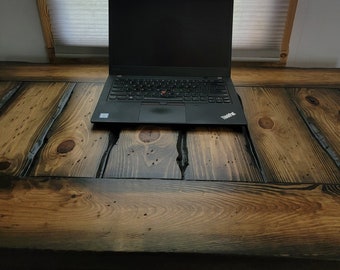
column 200, row 90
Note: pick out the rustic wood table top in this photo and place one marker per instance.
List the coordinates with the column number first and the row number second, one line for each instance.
column 272, row 191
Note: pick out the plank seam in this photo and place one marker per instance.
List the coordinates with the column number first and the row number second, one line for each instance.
column 113, row 139
column 253, row 153
column 41, row 138
column 317, row 134
column 9, row 95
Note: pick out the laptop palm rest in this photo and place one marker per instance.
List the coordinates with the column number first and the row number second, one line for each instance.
column 156, row 113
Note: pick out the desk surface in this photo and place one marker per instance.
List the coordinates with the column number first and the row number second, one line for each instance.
column 67, row 186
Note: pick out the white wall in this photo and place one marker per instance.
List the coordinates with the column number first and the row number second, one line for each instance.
column 315, row 40
column 21, row 36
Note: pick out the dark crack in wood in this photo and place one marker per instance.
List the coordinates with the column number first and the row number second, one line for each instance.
column 113, row 138
column 182, row 149
column 253, row 154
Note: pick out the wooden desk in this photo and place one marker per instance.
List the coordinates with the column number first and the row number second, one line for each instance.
column 67, row 186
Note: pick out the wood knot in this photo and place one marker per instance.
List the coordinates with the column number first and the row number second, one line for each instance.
column 283, row 55
column 149, row 135
column 266, row 123
column 4, row 165
column 312, row 100
column 66, row 146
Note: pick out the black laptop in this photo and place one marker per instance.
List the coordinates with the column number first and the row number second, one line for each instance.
column 169, row 63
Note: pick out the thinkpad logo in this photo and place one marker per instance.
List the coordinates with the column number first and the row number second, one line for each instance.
column 228, row 115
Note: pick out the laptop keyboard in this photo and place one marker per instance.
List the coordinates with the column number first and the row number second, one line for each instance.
column 195, row 90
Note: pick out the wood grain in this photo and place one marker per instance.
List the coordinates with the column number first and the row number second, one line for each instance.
column 287, row 150
column 45, row 72
column 171, row 216
column 24, row 121
column 145, row 152
column 219, row 154
column 321, row 110
column 284, row 77
column 74, row 148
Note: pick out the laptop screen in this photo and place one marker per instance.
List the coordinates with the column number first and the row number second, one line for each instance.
column 170, row 33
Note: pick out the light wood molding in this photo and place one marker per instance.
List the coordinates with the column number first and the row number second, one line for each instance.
column 49, row 40
column 47, row 29
column 288, row 31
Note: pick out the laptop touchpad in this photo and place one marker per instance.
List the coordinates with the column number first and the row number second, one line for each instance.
column 156, row 113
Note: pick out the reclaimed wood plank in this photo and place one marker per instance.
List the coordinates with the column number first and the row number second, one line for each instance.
column 287, row 150
column 144, row 152
column 48, row 72
column 320, row 109
column 74, row 148
column 171, row 216
column 241, row 75
column 284, row 77
column 25, row 121
column 220, row 154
